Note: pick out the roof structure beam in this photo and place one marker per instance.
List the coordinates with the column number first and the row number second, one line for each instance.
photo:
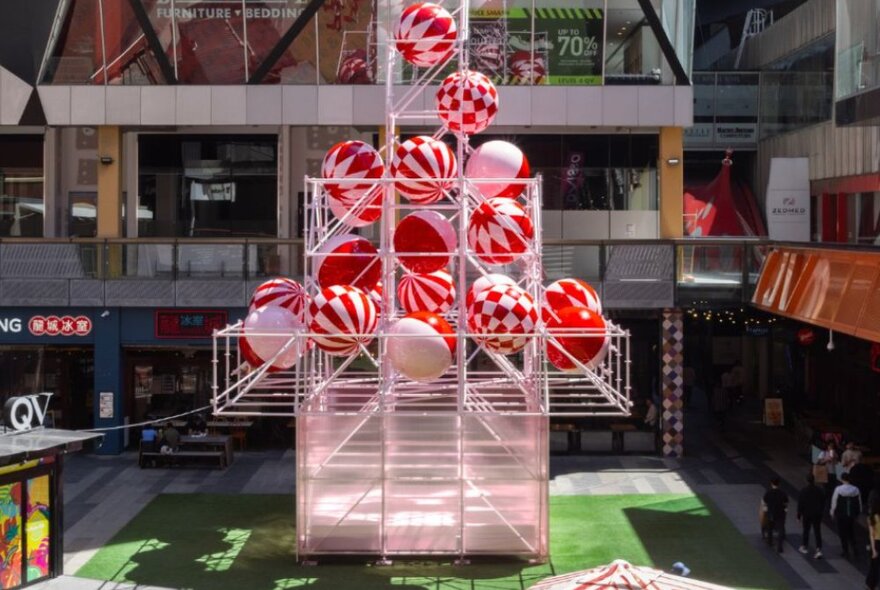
column 286, row 40
column 681, row 77
column 153, row 40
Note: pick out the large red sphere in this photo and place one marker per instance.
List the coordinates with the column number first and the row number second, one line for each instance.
column 500, row 231
column 467, row 103
column 348, row 260
column 498, row 159
column 417, row 165
column 425, row 34
column 343, row 319
column 580, row 333
column 352, row 160
column 425, row 233
column 502, row 316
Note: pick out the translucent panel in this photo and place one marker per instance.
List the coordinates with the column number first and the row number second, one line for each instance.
column 136, row 260
column 716, row 270
column 21, row 186
column 272, row 260
column 677, row 17
column 210, row 260
column 573, row 261
column 858, row 43
column 632, row 54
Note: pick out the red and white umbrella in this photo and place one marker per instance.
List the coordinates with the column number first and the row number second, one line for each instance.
column 622, row 575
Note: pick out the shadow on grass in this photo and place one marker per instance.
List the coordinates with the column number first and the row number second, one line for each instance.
column 692, row 530
column 208, row 542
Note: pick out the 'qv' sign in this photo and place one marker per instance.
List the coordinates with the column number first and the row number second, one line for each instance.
column 27, row 411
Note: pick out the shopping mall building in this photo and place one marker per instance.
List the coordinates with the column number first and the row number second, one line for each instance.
column 152, row 156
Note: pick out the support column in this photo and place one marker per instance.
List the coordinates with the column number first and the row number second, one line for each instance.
column 671, row 182
column 829, row 217
column 842, row 218
column 672, row 382
column 109, row 182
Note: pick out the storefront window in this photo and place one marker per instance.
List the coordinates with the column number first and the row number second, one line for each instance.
column 21, row 185
column 858, row 45
column 868, row 218
column 207, row 185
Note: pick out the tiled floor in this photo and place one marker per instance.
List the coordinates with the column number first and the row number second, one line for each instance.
column 103, row 493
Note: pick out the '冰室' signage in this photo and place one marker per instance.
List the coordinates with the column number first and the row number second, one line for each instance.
column 54, row 325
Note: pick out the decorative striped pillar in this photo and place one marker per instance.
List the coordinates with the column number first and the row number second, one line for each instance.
column 672, row 383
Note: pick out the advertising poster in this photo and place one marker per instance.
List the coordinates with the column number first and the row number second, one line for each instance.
column 567, row 50
column 143, row 380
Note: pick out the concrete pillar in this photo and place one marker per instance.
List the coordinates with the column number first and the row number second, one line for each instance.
column 672, row 382
column 671, row 182
column 108, row 379
column 109, row 182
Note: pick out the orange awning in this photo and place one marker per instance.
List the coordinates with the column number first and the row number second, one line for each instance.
column 834, row 289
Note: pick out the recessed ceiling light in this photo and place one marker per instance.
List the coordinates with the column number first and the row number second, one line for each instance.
column 622, row 28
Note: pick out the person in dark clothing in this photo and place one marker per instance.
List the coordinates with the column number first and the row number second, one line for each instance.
column 776, row 504
column 811, row 505
column 846, row 505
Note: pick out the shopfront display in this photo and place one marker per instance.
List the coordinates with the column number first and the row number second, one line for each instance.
column 26, row 511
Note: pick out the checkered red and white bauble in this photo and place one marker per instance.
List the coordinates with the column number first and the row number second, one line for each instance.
column 343, row 318
column 351, row 160
column 424, row 241
column 484, row 282
column 274, row 333
column 566, row 292
column 416, row 162
column 425, row 34
column 348, row 260
column 499, row 231
column 354, row 70
column 498, row 159
column 467, row 103
column 361, row 215
column 433, row 292
column 282, row 292
column 421, row 346
column 526, row 68
column 579, row 332
column 502, row 316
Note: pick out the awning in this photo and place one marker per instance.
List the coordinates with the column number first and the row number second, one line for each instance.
column 835, row 289
column 622, row 575
column 16, row 447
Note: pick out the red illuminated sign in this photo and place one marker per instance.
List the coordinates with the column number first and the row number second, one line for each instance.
column 54, row 325
column 189, row 323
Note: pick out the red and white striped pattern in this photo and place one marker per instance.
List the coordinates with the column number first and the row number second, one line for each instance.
column 566, row 292
column 503, row 315
column 527, row 69
column 365, row 213
column 416, row 162
column 343, row 318
column 352, row 160
column 621, row 575
column 425, row 34
column 282, row 292
column 467, row 104
column 500, row 231
column 433, row 292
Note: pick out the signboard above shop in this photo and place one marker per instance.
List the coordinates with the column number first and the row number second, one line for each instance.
column 185, row 323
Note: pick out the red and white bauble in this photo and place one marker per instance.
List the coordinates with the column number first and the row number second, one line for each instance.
column 425, row 34
column 433, row 292
column 361, row 215
column 467, row 103
column 502, row 316
column 424, row 241
column 351, row 160
column 580, row 333
column 376, row 295
column 272, row 330
column 498, row 159
column 343, row 319
column 348, row 260
column 484, row 282
column 500, row 231
column 281, row 292
column 421, row 346
column 526, row 68
column 416, row 166
column 567, row 292
column 353, row 69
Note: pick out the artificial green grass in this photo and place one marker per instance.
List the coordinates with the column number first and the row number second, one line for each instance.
column 219, row 542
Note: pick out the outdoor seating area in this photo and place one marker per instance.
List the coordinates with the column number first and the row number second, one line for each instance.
column 193, row 451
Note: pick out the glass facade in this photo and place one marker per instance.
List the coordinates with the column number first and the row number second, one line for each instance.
column 21, row 186
column 857, row 67
column 563, row 42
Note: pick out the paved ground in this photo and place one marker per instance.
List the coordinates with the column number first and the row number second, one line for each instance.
column 103, row 493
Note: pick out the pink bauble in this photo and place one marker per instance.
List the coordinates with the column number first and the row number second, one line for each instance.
column 568, row 292
column 282, row 292
column 498, row 159
column 348, row 260
column 579, row 332
column 424, row 232
column 466, row 103
column 502, row 316
column 421, row 346
column 270, row 330
column 251, row 358
column 500, row 231
column 425, row 34
column 352, row 160
column 526, row 68
column 343, row 319
column 361, row 215
column 416, row 162
column 433, row 292
column 486, row 281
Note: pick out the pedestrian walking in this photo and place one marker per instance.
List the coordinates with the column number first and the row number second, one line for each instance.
column 810, row 508
column 825, row 469
column 775, row 506
column 873, row 576
column 846, row 505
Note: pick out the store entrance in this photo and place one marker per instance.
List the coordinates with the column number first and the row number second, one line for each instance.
column 162, row 382
column 66, row 371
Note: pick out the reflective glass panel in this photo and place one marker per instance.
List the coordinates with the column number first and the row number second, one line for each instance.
column 21, row 185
